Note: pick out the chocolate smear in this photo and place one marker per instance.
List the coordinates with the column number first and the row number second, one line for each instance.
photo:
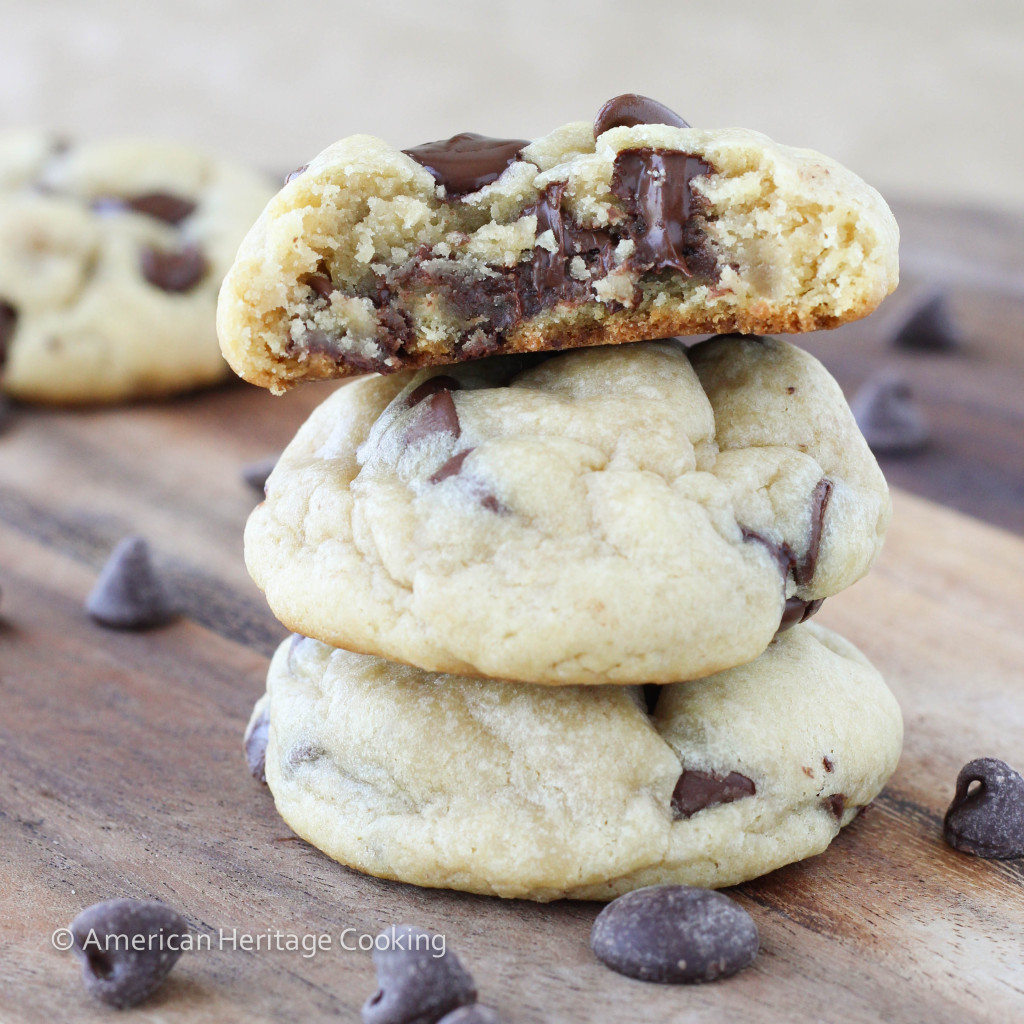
column 631, row 109
column 929, row 327
column 987, row 820
column 466, row 163
column 674, row 934
column 419, row 979
column 128, row 593
column 127, row 948
column 8, row 321
column 835, row 805
column 256, row 735
column 696, row 790
column 890, row 420
column 177, row 271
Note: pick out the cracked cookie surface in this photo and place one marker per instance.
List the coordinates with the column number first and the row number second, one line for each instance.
column 111, row 256
column 377, row 259
column 624, row 514
column 537, row 792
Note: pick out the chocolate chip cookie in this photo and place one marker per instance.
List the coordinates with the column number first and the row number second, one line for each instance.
column 111, row 254
column 627, row 514
column 634, row 227
column 542, row 792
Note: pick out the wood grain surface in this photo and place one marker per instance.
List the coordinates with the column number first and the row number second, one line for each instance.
column 121, row 770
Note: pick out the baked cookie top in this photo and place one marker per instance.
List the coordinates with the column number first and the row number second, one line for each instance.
column 634, row 513
column 377, row 259
column 586, row 792
column 111, row 256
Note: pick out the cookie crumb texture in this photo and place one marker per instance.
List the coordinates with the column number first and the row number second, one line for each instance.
column 537, row 792
column 365, row 261
column 111, row 257
column 625, row 514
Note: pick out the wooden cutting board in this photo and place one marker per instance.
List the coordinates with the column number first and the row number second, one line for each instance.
column 121, row 770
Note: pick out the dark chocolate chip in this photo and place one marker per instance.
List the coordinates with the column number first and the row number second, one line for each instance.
column 128, row 593
column 987, row 821
column 696, row 790
column 929, row 327
column 320, row 283
column 429, row 387
column 888, row 417
column 127, row 948
column 475, row 1013
column 178, row 271
column 796, row 611
column 451, row 468
column 674, row 934
column 803, row 570
column 292, row 175
column 465, row 163
column 437, row 416
column 631, row 109
column 256, row 734
column 835, row 805
column 163, row 206
column 8, row 321
column 255, row 473
column 419, row 980
column 828, row 763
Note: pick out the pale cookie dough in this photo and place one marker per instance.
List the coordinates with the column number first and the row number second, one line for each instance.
column 624, row 514
column 540, row 792
column 366, row 261
column 111, row 256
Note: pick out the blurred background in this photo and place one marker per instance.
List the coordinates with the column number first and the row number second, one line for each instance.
column 921, row 98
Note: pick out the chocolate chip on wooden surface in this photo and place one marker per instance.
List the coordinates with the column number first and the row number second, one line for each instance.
column 255, row 473
column 127, row 948
column 674, row 934
column 256, row 735
column 174, row 271
column 890, row 420
column 128, row 593
column 419, row 979
column 696, row 790
column 988, row 819
column 929, row 326
column 631, row 109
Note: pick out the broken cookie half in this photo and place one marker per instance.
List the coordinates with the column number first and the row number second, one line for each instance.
column 373, row 259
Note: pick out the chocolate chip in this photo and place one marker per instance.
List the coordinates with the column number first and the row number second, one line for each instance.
column 475, row 1013
column 835, row 805
column 320, row 283
column 929, row 327
column 451, row 468
column 987, row 821
column 292, row 175
column 796, row 611
column 177, row 271
column 438, row 416
column 255, row 473
column 256, row 734
column 128, row 593
column 429, row 387
column 803, row 571
column 465, row 163
column 419, row 979
column 782, row 553
column 888, row 417
column 696, row 790
column 674, row 934
column 163, row 206
column 127, row 948
column 631, row 109
column 8, row 321
column 828, row 763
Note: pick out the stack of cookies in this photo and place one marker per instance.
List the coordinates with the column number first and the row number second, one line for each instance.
column 549, row 578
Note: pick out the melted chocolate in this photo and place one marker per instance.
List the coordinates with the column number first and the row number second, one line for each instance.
column 797, row 611
column 173, row 271
column 804, row 570
column 835, row 804
column 696, row 790
column 465, row 163
column 630, row 109
column 8, row 321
